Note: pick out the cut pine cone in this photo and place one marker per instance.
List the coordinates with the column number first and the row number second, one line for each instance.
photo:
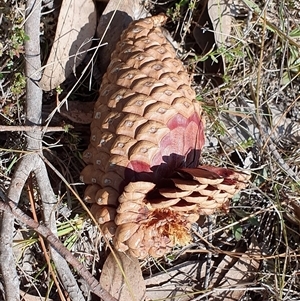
column 143, row 172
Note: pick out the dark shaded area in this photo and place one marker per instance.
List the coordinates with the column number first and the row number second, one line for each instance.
column 120, row 22
column 164, row 170
column 203, row 33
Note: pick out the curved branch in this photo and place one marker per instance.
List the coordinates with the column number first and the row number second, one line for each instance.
column 49, row 212
column 7, row 260
column 11, row 208
column 29, row 163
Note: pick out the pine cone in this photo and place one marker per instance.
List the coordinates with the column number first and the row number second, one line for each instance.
column 146, row 137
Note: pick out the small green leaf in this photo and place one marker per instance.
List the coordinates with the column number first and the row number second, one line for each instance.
column 253, row 221
column 59, row 90
column 237, row 232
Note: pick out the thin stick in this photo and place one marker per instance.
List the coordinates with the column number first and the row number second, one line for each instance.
column 28, row 128
column 41, row 239
column 34, row 96
column 49, row 203
column 8, row 270
column 31, row 163
column 10, row 207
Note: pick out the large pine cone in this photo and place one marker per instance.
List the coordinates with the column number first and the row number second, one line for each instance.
column 146, row 137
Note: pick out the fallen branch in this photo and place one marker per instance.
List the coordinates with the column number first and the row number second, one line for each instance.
column 28, row 128
column 7, row 261
column 49, row 202
column 41, row 239
column 11, row 208
column 29, row 163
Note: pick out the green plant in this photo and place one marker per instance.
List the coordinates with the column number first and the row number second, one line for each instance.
column 18, row 84
column 175, row 12
column 18, row 39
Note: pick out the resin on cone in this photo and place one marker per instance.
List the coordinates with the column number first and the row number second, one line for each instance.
column 144, row 180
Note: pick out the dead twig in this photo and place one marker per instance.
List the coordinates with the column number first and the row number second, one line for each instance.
column 28, row 128
column 7, row 261
column 11, row 208
column 34, row 140
column 49, row 202
column 41, row 239
column 32, row 163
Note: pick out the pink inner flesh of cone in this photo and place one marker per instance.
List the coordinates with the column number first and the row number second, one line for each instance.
column 186, row 136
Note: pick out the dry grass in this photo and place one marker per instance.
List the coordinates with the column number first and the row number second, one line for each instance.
column 252, row 122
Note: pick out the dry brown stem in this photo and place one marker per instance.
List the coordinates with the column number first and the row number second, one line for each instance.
column 49, row 213
column 41, row 239
column 28, row 128
column 32, row 163
column 11, row 209
column 7, row 260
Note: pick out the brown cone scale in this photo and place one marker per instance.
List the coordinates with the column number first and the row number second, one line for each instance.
column 143, row 172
